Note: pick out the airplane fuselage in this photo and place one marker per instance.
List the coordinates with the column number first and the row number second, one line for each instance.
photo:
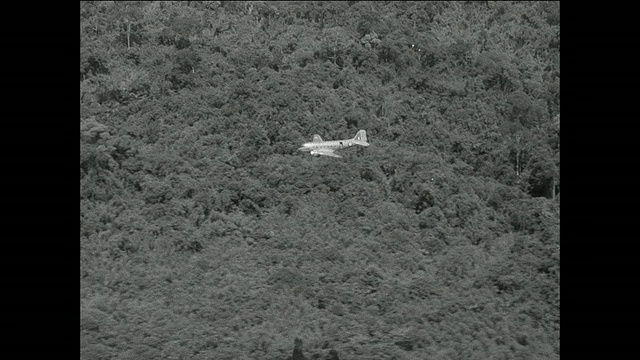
column 320, row 147
column 333, row 144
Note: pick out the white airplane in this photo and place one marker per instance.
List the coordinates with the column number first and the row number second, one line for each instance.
column 319, row 147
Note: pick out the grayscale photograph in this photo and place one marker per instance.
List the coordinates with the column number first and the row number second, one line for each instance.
column 319, row 180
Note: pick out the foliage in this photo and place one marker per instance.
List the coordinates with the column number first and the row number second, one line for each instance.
column 205, row 234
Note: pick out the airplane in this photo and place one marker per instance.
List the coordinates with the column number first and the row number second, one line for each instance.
column 319, row 147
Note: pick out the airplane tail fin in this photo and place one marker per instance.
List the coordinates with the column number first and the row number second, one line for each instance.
column 361, row 136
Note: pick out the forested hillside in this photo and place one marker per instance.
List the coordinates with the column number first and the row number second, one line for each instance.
column 205, row 234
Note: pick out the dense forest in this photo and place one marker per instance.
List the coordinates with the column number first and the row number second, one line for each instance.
column 205, row 234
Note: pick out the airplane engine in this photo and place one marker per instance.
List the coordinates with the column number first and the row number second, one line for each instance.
column 315, row 153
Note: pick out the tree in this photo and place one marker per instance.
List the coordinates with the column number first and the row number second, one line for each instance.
column 128, row 15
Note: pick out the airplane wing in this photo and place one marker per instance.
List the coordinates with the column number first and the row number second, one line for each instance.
column 327, row 152
column 317, row 138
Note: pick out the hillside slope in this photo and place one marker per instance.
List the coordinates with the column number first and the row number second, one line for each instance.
column 205, row 234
